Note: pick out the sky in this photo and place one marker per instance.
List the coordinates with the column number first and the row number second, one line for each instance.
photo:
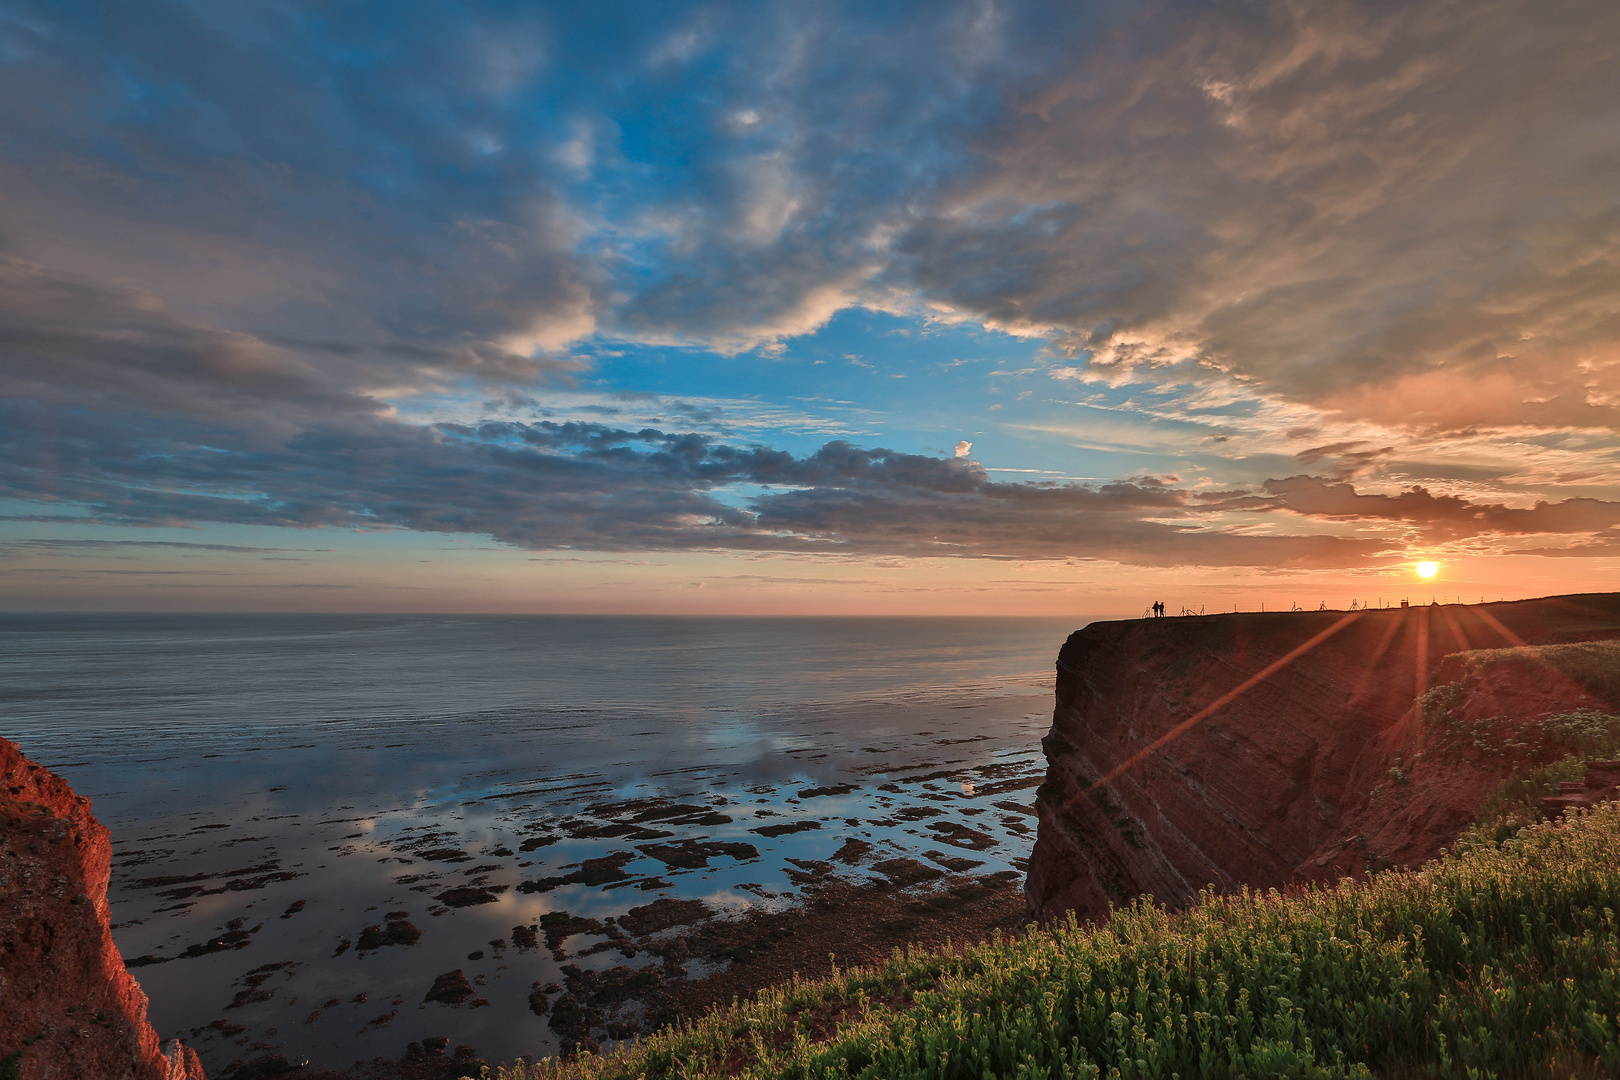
column 966, row 308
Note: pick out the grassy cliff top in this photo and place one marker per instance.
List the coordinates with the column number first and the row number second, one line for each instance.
column 1594, row 665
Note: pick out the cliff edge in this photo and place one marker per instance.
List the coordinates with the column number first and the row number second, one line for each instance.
column 1268, row 749
column 68, row 1008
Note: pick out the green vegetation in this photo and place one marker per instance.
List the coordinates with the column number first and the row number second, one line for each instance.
column 1595, row 665
column 1541, row 751
column 1581, row 735
column 1500, row 959
column 1545, row 752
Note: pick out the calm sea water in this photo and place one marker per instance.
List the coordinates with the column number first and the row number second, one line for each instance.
column 276, row 784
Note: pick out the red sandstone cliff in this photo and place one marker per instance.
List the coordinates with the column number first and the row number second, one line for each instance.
column 68, row 1009
column 1161, row 780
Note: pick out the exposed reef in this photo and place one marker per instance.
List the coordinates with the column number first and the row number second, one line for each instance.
column 1269, row 749
column 68, row 1007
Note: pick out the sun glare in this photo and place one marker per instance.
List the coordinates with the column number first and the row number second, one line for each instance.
column 1428, row 569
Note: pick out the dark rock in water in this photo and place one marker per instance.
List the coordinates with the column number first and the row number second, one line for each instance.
column 695, row 854
column 525, row 937
column 591, row 872
column 903, row 872
column 397, row 929
column 1266, row 749
column 952, row 863
column 466, row 896
column 591, row 997
column 255, row 979
column 810, row 872
column 538, row 1003
column 661, row 915
column 451, row 988
column 817, row 792
column 586, row 830
column 435, row 1045
column 853, row 852
column 785, row 828
column 961, row 836
column 68, row 1005
column 559, row 926
column 451, row 855
column 234, row 937
column 263, row 1068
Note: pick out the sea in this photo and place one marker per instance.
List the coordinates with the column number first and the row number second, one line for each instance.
column 285, row 790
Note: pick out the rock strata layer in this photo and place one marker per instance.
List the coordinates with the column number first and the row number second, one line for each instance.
column 68, row 1007
column 1268, row 749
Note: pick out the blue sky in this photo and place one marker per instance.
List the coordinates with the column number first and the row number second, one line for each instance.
column 805, row 307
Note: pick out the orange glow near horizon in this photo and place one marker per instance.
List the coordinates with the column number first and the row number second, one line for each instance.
column 341, row 570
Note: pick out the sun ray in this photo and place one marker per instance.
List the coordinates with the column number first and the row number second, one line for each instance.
column 1548, row 669
column 1202, row 714
column 1420, row 675
column 1496, row 624
column 1395, row 623
column 1463, row 644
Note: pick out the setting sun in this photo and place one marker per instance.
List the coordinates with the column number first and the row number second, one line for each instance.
column 1427, row 569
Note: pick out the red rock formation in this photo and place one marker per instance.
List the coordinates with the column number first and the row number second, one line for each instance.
column 1602, row 784
column 1257, row 749
column 68, row 1009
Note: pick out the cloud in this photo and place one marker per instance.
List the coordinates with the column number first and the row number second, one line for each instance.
column 101, row 348
column 115, row 349
column 1442, row 517
column 220, row 159
column 1345, row 204
column 561, row 486
column 1401, row 213
column 44, row 544
column 1358, row 234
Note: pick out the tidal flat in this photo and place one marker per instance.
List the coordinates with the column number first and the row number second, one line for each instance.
column 530, row 878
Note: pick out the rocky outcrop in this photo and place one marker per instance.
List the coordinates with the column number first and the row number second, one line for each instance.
column 68, row 1008
column 1601, row 784
column 1266, row 749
